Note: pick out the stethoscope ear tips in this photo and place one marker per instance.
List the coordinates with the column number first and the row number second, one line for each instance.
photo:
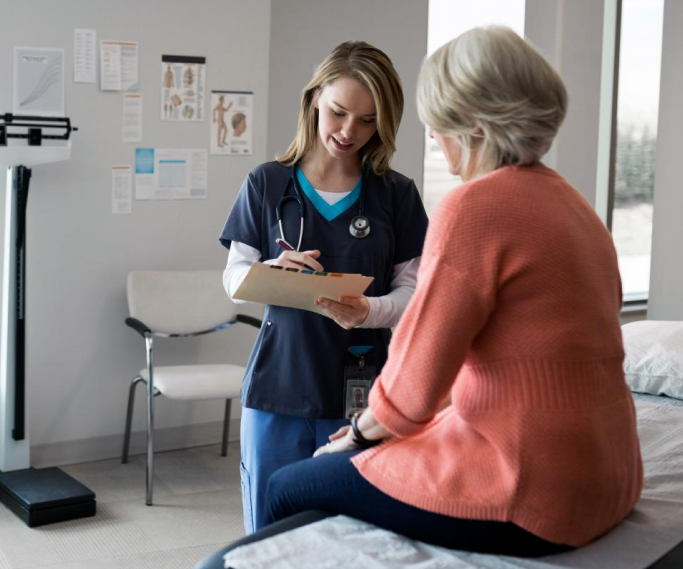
column 360, row 227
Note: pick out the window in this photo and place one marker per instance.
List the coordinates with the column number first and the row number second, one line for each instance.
column 640, row 53
column 447, row 20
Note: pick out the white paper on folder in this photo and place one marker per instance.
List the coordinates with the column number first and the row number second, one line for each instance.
column 294, row 288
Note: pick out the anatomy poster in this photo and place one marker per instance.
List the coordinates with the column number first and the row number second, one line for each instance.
column 182, row 88
column 231, row 122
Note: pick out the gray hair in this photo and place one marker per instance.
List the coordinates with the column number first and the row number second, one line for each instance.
column 490, row 84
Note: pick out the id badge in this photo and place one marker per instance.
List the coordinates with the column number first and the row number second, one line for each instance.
column 358, row 379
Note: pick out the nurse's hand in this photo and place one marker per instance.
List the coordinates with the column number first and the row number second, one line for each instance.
column 298, row 260
column 341, row 441
column 348, row 311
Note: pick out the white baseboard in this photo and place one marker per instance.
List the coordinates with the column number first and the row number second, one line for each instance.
column 102, row 448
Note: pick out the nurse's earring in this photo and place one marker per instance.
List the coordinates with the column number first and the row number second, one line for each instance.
column 360, row 227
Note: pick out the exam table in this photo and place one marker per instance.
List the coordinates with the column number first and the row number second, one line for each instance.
column 651, row 537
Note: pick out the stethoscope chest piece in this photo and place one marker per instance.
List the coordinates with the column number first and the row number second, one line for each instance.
column 360, row 227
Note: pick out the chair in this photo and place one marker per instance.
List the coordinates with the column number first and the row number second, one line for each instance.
column 180, row 304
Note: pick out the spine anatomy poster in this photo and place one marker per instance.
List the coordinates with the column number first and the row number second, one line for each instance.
column 182, row 88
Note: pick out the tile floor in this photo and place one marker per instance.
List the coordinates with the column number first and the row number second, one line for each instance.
column 197, row 510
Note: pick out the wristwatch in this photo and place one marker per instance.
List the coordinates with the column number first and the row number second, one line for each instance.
column 358, row 437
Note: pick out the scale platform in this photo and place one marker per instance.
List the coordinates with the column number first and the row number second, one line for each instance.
column 45, row 496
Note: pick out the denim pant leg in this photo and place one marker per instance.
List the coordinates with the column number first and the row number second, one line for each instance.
column 332, row 484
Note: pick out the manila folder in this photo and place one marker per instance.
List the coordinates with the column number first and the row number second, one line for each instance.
column 298, row 288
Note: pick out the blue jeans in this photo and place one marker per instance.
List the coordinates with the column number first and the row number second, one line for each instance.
column 269, row 441
column 331, row 483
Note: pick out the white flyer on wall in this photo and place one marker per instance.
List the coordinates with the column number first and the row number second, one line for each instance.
column 85, row 56
column 170, row 173
column 121, row 189
column 38, row 81
column 119, row 65
column 132, row 117
column 182, row 87
column 231, row 122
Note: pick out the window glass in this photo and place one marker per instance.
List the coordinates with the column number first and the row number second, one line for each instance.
column 640, row 56
column 447, row 20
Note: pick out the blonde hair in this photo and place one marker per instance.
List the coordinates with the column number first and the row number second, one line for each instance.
column 375, row 71
column 490, row 84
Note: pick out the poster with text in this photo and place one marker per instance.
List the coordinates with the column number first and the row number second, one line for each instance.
column 170, row 173
column 231, row 122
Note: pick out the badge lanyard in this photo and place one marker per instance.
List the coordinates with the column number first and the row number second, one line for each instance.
column 358, row 379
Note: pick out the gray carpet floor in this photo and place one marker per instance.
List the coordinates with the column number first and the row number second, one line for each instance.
column 197, row 510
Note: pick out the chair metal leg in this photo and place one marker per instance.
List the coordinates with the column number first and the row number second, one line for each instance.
column 129, row 418
column 226, row 428
column 150, row 421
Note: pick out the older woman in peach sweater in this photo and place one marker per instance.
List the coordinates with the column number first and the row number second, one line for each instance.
column 515, row 319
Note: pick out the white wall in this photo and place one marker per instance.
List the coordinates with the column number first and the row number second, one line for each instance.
column 304, row 32
column 569, row 34
column 666, row 275
column 81, row 356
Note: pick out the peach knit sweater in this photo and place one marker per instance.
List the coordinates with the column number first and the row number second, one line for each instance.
column 516, row 315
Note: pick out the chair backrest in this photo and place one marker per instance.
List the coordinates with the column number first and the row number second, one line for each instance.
column 179, row 302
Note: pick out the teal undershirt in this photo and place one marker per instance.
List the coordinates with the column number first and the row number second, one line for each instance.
column 329, row 212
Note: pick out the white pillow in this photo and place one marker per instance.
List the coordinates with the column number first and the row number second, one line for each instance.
column 654, row 357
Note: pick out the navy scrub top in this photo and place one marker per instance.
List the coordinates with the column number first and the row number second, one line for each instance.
column 297, row 364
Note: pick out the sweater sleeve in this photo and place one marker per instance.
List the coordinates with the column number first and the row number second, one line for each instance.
column 456, row 291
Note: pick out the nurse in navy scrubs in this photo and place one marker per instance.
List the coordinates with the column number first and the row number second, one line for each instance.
column 333, row 203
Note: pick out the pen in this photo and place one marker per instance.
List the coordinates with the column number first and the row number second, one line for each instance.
column 282, row 243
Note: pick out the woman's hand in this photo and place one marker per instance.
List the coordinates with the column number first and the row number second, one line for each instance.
column 348, row 312
column 298, row 260
column 341, row 441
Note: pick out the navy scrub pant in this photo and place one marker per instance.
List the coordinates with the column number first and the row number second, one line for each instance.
column 331, row 483
column 269, row 441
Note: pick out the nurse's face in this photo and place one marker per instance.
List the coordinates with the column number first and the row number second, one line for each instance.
column 347, row 117
column 452, row 151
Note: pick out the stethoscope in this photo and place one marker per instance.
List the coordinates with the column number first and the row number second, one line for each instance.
column 360, row 225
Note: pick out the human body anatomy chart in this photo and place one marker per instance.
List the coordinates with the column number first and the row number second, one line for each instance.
column 231, row 122
column 182, row 88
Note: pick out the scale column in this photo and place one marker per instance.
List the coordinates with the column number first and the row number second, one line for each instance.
column 14, row 439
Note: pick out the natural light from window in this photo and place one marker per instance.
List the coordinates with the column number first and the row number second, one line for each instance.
column 447, row 20
column 637, row 109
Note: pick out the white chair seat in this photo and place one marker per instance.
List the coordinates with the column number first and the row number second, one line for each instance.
column 205, row 381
